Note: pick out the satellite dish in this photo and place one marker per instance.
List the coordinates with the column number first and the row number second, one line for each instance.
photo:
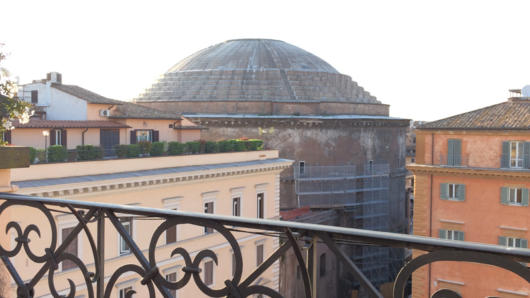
column 525, row 91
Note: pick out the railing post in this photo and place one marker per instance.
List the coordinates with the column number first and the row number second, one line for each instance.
column 314, row 263
column 101, row 254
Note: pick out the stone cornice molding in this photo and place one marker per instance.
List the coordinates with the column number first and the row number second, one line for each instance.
column 62, row 190
column 469, row 171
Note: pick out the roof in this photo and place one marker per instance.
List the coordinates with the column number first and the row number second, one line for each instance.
column 317, row 117
column 513, row 114
column 38, row 123
column 132, row 110
column 254, row 70
column 141, row 173
column 85, row 94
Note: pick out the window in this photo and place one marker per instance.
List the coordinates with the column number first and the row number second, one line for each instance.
column 127, row 224
column 451, row 235
column 236, row 206
column 171, row 233
column 123, row 292
column 208, row 208
column 322, row 265
column 452, row 191
column 71, row 248
column 208, row 273
column 172, row 277
column 260, row 205
column 259, row 254
column 516, row 154
column 454, row 152
column 513, row 242
column 514, row 196
column 143, row 136
column 58, row 137
column 34, row 96
column 301, row 165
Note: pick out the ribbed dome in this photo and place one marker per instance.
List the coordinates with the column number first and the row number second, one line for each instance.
column 254, row 70
column 253, row 54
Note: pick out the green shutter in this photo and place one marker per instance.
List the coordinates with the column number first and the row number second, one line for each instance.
column 505, row 158
column 442, row 234
column 502, row 240
column 461, row 192
column 450, row 152
column 444, row 191
column 524, row 199
column 527, row 155
column 457, row 152
column 524, row 243
column 504, row 196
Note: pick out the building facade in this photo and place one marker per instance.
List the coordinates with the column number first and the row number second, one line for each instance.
column 241, row 184
column 472, row 176
column 73, row 116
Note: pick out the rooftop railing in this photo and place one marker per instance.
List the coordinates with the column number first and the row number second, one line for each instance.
column 237, row 286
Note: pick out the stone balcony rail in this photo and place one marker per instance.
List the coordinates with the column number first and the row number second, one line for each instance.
column 238, row 286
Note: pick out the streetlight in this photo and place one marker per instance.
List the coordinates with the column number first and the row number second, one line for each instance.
column 45, row 133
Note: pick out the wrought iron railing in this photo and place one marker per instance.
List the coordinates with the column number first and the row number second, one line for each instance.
column 237, row 286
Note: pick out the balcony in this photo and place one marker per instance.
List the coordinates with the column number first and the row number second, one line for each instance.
column 92, row 218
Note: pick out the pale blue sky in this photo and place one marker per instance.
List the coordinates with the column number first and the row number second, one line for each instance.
column 427, row 59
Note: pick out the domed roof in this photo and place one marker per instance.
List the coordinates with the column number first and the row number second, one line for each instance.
column 253, row 54
column 254, row 70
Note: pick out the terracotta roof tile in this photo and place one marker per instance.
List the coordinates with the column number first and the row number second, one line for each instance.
column 38, row 123
column 132, row 110
column 513, row 114
column 85, row 94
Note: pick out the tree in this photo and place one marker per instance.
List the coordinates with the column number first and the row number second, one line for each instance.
column 11, row 107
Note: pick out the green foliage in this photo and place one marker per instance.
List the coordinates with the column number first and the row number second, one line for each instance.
column 133, row 150
column 57, row 153
column 157, row 149
column 239, row 145
column 145, row 147
column 121, row 150
column 211, row 147
column 175, row 148
column 32, row 154
column 254, row 144
column 89, row 152
column 192, row 147
column 226, row 146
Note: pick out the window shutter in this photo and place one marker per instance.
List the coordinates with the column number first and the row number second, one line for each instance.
column 457, row 152
column 505, row 158
column 524, row 199
column 450, row 152
column 444, row 189
column 442, row 234
column 133, row 136
column 7, row 135
column 63, row 138
column 527, row 155
column 502, row 240
column 524, row 243
column 504, row 195
column 52, row 137
column 155, row 135
column 461, row 195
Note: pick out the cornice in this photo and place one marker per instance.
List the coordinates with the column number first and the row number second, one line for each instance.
column 469, row 171
column 63, row 190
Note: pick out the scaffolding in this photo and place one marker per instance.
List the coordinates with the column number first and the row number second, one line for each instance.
column 363, row 196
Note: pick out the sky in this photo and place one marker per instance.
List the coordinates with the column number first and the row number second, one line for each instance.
column 427, row 59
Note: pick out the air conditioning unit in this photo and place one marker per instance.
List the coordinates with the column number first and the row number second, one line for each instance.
column 104, row 113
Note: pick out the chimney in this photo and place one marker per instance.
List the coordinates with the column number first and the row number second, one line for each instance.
column 54, row 77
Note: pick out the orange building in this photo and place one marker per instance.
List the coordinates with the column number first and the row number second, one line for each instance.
column 472, row 176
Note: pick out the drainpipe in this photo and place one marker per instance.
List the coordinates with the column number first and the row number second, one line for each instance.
column 430, row 206
column 83, row 136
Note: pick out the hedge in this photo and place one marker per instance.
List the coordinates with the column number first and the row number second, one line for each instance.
column 211, row 147
column 121, row 150
column 57, row 153
column 157, row 149
column 133, row 150
column 192, row 147
column 89, row 152
column 175, row 148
